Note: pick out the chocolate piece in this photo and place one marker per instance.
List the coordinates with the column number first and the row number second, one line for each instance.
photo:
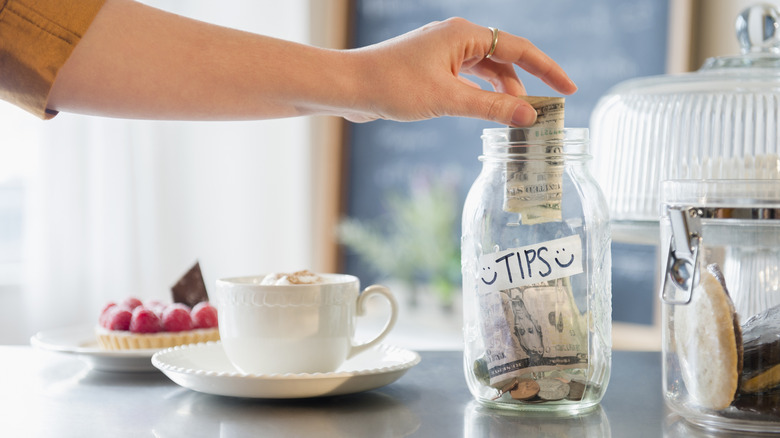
column 762, row 381
column 761, row 337
column 190, row 289
column 758, row 405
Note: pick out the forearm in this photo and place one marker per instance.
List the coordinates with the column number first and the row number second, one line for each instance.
column 139, row 62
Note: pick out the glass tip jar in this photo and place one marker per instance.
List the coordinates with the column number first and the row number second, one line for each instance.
column 536, row 265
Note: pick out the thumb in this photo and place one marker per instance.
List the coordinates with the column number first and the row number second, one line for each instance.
column 495, row 107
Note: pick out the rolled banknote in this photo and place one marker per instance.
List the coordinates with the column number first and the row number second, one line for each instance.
column 534, row 183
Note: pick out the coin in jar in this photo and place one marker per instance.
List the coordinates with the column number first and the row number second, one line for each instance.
column 526, row 389
column 576, row 390
column 506, row 388
column 552, row 389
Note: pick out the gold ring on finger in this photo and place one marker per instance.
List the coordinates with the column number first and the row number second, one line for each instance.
column 494, row 43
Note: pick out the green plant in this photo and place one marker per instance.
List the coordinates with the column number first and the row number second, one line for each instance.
column 414, row 242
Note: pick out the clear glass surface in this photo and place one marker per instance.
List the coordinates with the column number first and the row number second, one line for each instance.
column 545, row 324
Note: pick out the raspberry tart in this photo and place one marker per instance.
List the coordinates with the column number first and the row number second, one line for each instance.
column 132, row 325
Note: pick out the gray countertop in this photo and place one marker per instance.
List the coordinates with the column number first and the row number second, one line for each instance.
column 48, row 394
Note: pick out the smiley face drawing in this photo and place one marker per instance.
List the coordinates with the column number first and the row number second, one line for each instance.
column 563, row 265
column 486, row 271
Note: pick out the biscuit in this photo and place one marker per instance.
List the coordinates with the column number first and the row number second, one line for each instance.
column 714, row 269
column 706, row 337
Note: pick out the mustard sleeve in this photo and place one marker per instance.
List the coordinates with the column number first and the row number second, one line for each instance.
column 36, row 38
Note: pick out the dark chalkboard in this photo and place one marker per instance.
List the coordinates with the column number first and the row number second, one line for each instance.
column 598, row 42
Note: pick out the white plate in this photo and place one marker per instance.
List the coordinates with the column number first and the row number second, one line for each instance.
column 205, row 368
column 81, row 342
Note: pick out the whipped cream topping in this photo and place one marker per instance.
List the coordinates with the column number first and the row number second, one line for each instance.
column 299, row 277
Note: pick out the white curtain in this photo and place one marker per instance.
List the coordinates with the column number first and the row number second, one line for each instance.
column 118, row 208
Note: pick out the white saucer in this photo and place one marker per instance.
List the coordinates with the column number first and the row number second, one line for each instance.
column 81, row 342
column 205, row 368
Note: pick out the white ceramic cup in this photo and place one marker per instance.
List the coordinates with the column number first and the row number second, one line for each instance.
column 294, row 328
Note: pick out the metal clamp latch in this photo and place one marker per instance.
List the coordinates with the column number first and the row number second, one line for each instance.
column 682, row 263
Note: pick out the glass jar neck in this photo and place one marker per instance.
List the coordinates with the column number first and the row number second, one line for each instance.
column 526, row 144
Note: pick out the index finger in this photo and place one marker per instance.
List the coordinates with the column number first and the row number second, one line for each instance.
column 521, row 52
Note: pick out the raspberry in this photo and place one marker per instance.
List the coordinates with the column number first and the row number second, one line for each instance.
column 204, row 315
column 144, row 321
column 108, row 306
column 176, row 318
column 131, row 303
column 118, row 318
column 105, row 313
column 156, row 306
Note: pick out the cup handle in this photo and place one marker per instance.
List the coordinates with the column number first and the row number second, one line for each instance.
column 361, row 310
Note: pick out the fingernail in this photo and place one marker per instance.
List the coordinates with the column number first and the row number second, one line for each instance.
column 573, row 86
column 524, row 115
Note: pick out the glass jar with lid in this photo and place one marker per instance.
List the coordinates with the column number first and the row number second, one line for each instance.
column 721, row 302
column 536, row 274
column 720, row 122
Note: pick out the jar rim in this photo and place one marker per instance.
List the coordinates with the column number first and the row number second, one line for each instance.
column 532, row 143
column 732, row 192
column 508, row 133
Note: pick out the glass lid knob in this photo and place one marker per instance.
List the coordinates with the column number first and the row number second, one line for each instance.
column 758, row 29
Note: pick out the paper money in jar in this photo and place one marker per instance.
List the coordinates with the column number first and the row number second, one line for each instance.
column 534, row 184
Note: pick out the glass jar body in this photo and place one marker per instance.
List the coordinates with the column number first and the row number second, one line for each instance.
column 536, row 267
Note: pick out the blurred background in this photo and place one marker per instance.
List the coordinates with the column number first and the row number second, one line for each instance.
column 93, row 210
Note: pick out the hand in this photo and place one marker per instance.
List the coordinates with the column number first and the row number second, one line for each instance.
column 418, row 75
